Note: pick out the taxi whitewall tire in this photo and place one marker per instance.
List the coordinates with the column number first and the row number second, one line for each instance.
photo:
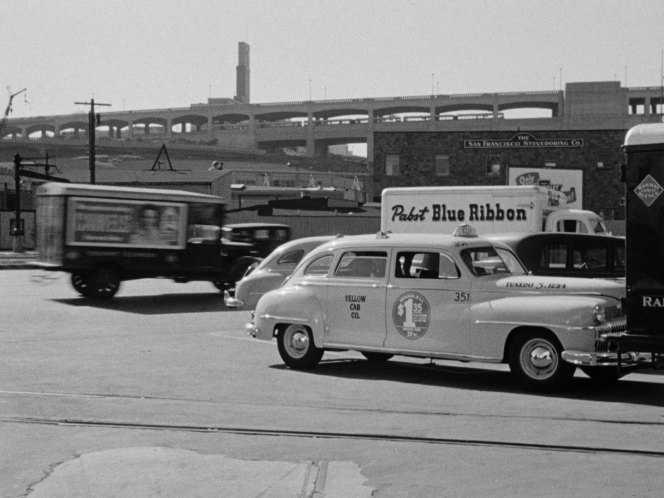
column 535, row 358
column 296, row 347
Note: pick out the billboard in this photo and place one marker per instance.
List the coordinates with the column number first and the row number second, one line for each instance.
column 567, row 181
column 122, row 223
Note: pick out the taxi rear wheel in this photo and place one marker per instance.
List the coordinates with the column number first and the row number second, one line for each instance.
column 535, row 359
column 296, row 347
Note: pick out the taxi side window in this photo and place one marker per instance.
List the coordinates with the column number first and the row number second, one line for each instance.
column 291, row 258
column 425, row 265
column 362, row 264
column 319, row 266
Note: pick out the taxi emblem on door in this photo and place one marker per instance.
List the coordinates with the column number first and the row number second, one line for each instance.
column 411, row 314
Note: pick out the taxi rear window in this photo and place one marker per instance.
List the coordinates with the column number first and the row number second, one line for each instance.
column 362, row 264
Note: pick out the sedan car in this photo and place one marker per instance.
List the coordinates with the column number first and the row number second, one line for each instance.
column 455, row 297
column 270, row 273
column 568, row 254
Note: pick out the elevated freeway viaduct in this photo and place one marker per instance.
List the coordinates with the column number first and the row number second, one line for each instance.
column 316, row 125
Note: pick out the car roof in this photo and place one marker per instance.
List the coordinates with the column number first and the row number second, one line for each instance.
column 305, row 241
column 516, row 237
column 403, row 240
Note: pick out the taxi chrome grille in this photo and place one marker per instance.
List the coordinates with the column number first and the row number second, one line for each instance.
column 616, row 321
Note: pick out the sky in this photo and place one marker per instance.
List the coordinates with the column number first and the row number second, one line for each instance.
column 150, row 54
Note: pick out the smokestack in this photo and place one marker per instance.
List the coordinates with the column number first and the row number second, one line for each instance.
column 242, row 70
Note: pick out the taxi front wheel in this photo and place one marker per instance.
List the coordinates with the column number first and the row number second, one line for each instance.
column 296, row 347
column 536, row 361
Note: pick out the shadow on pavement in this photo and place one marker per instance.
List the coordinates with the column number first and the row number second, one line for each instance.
column 629, row 389
column 161, row 304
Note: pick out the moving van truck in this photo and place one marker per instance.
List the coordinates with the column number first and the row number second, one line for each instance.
column 489, row 209
column 104, row 235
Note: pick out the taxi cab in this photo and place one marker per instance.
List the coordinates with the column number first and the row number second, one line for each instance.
column 457, row 297
column 270, row 273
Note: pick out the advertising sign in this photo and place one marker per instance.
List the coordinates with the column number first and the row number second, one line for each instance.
column 114, row 223
column 567, row 181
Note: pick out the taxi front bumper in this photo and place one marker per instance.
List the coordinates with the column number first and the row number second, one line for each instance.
column 606, row 359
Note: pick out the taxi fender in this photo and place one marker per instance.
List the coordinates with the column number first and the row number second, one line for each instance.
column 568, row 317
column 293, row 304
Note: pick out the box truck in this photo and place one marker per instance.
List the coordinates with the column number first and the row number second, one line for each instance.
column 104, row 235
column 489, row 209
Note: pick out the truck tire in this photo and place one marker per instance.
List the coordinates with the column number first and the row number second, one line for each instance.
column 297, row 349
column 104, row 283
column 536, row 361
column 240, row 267
column 80, row 282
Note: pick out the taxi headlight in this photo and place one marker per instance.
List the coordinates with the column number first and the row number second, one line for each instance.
column 599, row 314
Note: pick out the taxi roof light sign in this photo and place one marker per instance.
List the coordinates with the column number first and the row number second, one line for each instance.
column 465, row 230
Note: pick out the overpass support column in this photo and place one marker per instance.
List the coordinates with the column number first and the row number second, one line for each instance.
column 210, row 126
column 130, row 130
column 432, row 117
column 24, row 132
column 311, row 144
column 370, row 135
column 169, row 127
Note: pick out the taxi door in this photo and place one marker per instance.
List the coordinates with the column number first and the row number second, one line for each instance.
column 355, row 303
column 428, row 303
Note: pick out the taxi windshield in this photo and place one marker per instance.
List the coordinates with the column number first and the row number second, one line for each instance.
column 483, row 261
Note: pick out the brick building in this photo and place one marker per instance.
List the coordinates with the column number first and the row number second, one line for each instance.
column 586, row 160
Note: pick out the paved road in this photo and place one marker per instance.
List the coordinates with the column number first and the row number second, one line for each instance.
column 159, row 393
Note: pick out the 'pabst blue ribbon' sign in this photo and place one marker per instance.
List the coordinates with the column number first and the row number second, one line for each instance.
column 474, row 213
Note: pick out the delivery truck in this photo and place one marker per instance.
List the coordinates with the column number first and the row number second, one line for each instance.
column 489, row 209
column 103, row 235
column 638, row 339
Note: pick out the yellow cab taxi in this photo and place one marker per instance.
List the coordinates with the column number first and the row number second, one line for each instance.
column 454, row 297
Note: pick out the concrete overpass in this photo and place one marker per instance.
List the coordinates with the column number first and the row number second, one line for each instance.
column 316, row 125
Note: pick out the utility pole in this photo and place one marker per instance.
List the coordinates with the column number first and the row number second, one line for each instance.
column 93, row 122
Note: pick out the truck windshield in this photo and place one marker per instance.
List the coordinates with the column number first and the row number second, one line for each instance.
column 483, row 261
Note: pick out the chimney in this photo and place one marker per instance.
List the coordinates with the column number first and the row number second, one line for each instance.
column 242, row 70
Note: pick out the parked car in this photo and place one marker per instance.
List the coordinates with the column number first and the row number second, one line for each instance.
column 437, row 296
column 270, row 273
column 568, row 254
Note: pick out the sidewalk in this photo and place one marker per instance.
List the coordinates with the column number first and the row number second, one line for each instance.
column 17, row 260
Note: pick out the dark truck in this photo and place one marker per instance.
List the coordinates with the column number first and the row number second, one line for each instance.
column 104, row 235
column 639, row 341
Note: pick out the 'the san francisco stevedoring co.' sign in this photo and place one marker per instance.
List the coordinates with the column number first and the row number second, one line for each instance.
column 522, row 140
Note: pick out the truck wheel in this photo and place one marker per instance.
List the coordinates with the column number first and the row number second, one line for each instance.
column 536, row 361
column 604, row 375
column 81, row 283
column 240, row 267
column 104, row 283
column 373, row 356
column 297, row 349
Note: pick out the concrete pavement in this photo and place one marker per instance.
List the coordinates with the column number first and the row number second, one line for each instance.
column 17, row 260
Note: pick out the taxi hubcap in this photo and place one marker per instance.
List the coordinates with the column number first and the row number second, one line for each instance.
column 297, row 342
column 539, row 358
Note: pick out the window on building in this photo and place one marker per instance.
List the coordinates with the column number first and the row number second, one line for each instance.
column 392, row 165
column 442, row 165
